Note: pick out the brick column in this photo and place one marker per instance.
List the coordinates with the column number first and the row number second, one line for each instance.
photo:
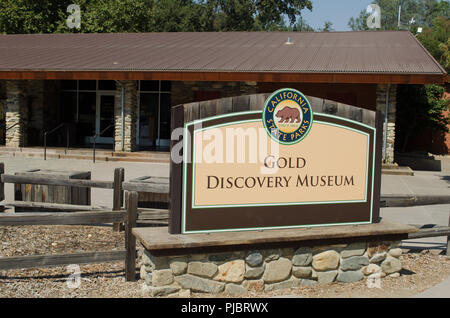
column 130, row 115
column 381, row 106
column 16, row 114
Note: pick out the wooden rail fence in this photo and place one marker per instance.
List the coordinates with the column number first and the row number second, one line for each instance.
column 67, row 214
column 128, row 214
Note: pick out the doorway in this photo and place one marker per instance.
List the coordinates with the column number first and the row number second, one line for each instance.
column 153, row 127
column 104, row 118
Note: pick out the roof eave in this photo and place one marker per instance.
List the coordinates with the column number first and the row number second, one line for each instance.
column 228, row 76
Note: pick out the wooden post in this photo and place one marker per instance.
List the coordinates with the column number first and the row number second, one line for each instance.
column 117, row 195
column 122, row 179
column 2, row 186
column 131, row 200
column 448, row 237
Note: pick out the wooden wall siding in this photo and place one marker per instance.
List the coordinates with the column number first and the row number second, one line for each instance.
column 199, row 110
column 364, row 94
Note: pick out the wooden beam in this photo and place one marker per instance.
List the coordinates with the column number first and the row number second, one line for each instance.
column 158, row 238
column 2, row 185
column 72, row 218
column 56, row 206
column 117, row 194
column 6, row 178
column 433, row 232
column 130, row 240
column 34, row 261
column 313, row 77
column 448, row 237
column 146, row 187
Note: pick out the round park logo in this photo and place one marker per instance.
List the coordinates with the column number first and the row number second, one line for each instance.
column 287, row 116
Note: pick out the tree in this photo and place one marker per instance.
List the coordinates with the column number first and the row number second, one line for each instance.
column 270, row 13
column 327, row 26
column 49, row 16
column 419, row 107
column 413, row 13
column 436, row 40
column 112, row 16
column 31, row 16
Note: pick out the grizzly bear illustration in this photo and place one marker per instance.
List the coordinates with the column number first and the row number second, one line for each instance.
column 288, row 115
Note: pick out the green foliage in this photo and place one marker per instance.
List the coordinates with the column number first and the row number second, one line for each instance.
column 422, row 11
column 31, row 16
column 436, row 40
column 419, row 107
column 327, row 26
column 101, row 16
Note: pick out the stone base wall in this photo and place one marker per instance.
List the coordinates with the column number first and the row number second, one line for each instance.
column 390, row 129
column 238, row 272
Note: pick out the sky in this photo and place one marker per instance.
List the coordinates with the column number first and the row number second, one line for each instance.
column 336, row 11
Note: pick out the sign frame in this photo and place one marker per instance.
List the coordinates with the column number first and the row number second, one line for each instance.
column 187, row 207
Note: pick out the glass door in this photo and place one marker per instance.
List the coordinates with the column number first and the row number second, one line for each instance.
column 153, row 129
column 105, row 118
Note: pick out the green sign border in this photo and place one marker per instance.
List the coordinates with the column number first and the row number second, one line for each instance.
column 185, row 157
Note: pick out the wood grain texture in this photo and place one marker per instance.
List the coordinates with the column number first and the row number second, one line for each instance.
column 72, row 218
column 178, row 114
column 159, row 239
column 34, row 261
column 58, row 182
column 2, row 185
column 44, row 205
column 117, row 195
column 146, row 187
column 130, row 240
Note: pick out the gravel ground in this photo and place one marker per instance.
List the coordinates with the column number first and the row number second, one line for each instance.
column 421, row 270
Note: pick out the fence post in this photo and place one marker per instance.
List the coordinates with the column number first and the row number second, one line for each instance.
column 2, row 186
column 118, row 195
column 448, row 237
column 131, row 198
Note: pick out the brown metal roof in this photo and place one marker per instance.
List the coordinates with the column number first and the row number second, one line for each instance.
column 382, row 52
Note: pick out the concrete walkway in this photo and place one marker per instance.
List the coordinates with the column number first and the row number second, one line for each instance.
column 422, row 183
column 441, row 290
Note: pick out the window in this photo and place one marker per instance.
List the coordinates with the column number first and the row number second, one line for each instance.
column 154, row 113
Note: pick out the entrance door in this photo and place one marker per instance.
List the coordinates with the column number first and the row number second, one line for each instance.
column 154, row 120
column 105, row 118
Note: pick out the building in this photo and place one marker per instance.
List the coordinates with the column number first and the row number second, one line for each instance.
column 124, row 84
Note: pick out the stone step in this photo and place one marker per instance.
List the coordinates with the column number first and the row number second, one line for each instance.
column 400, row 171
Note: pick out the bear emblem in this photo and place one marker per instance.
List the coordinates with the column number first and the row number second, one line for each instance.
column 288, row 115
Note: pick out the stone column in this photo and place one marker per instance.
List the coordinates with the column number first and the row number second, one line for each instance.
column 2, row 110
column 390, row 129
column 16, row 114
column 130, row 115
column 36, row 111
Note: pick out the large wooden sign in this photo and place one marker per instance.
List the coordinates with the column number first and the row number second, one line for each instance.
column 283, row 167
